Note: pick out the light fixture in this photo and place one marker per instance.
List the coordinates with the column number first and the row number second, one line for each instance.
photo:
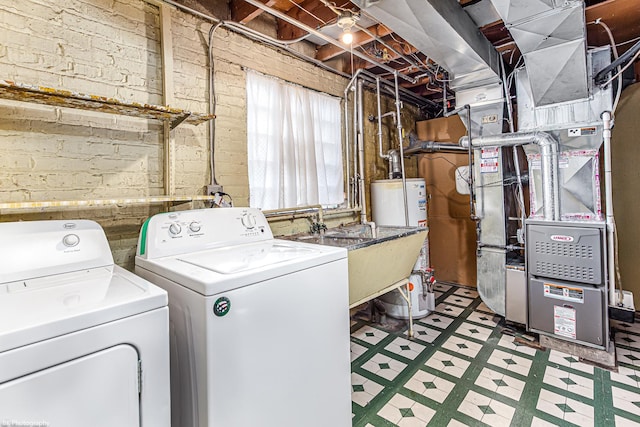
column 346, row 20
column 347, row 36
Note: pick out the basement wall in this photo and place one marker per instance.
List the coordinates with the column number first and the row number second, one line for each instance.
column 112, row 48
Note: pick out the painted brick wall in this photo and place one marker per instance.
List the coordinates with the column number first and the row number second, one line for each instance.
column 112, row 48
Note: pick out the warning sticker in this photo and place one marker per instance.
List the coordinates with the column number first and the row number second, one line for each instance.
column 573, row 132
column 564, row 293
column 564, row 321
column 488, row 165
column 490, row 153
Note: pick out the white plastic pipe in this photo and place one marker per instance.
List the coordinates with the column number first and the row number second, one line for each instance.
column 611, row 260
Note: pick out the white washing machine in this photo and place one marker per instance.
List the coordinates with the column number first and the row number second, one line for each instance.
column 259, row 326
column 83, row 342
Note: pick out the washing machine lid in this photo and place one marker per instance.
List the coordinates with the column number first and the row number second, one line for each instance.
column 46, row 307
column 222, row 269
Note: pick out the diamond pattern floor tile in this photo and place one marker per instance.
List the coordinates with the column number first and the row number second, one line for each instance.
column 370, row 334
column 507, row 341
column 487, row 410
column 363, row 390
column 458, row 300
column 430, row 386
column 476, row 332
column 448, row 364
column 384, row 366
column 449, row 310
column 403, row 411
column 357, row 350
column 423, row 333
column 405, row 348
column 435, row 319
column 510, row 362
column 465, row 292
column 483, row 318
column 459, row 370
column 462, row 346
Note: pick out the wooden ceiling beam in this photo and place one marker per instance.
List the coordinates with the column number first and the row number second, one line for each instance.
column 243, row 12
column 621, row 16
column 360, row 38
column 312, row 13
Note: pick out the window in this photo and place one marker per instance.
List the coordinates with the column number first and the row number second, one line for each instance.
column 294, row 145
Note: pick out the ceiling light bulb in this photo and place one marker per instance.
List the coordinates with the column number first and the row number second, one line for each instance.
column 347, row 37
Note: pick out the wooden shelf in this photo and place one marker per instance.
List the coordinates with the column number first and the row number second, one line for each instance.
column 63, row 98
column 100, row 202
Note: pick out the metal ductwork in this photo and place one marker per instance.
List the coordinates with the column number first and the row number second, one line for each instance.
column 444, row 31
column 551, row 35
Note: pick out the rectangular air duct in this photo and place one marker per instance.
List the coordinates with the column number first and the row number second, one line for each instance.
column 551, row 35
column 444, row 31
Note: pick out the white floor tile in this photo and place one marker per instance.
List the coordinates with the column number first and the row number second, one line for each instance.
column 458, row 300
column 435, row 319
column 624, row 422
column 469, row 293
column 626, row 376
column 626, row 400
column 449, row 310
column 483, row 307
column 369, row 334
column 483, row 319
column 430, row 386
column 628, row 356
column 384, row 366
column 569, row 361
column 448, row 364
column 462, row 346
column 508, row 341
column 510, row 362
column 357, row 350
column 424, row 333
column 470, row 330
column 405, row 348
column 363, row 390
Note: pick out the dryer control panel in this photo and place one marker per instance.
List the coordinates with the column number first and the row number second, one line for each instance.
column 173, row 233
column 31, row 249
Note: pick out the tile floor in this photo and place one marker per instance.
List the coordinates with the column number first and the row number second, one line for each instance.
column 461, row 370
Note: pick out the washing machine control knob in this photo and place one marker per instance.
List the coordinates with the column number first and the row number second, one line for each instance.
column 249, row 220
column 70, row 240
column 175, row 229
column 195, row 226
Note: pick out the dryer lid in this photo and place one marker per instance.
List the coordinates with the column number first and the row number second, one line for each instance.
column 46, row 307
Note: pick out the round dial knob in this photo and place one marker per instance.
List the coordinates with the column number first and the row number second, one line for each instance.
column 175, row 229
column 248, row 220
column 70, row 240
column 195, row 226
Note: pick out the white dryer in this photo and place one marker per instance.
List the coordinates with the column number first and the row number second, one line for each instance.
column 259, row 326
column 83, row 342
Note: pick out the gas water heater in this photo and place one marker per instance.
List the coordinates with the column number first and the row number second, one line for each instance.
column 387, row 204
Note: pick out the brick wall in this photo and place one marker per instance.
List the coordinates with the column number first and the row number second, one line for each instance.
column 112, row 48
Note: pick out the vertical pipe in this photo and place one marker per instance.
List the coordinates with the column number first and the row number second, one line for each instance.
column 363, row 196
column 399, row 125
column 472, row 210
column 354, row 183
column 380, row 153
column 611, row 260
column 346, row 146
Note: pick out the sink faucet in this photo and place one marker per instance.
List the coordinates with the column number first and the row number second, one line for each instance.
column 374, row 231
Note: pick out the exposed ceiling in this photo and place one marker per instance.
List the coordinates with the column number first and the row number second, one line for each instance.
column 384, row 47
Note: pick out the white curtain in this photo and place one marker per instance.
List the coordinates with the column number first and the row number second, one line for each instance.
column 294, row 145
